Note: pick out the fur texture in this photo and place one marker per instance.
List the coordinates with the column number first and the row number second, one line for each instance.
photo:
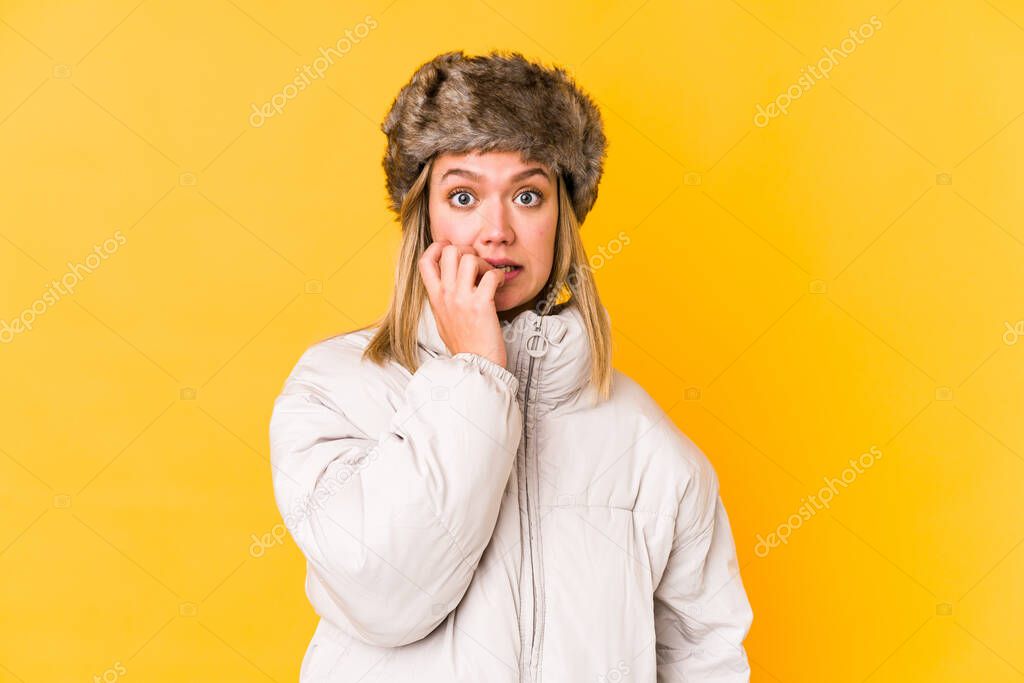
column 495, row 102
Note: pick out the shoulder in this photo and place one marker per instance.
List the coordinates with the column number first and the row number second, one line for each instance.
column 335, row 352
column 668, row 451
column 335, row 368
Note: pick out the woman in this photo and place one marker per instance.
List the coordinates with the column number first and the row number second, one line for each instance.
column 480, row 496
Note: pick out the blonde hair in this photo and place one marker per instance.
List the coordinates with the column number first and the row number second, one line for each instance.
column 571, row 274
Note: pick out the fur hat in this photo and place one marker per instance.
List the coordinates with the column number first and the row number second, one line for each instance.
column 495, row 102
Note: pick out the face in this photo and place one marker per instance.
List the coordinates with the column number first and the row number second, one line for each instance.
column 505, row 208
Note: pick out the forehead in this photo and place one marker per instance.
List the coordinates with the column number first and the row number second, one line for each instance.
column 496, row 165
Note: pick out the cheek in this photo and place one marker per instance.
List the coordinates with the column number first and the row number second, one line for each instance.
column 443, row 225
column 539, row 239
column 450, row 224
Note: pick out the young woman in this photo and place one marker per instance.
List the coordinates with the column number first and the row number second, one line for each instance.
column 480, row 496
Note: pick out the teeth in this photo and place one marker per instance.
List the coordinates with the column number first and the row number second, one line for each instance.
column 506, row 268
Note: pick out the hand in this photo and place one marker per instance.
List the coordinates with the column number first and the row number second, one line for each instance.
column 463, row 307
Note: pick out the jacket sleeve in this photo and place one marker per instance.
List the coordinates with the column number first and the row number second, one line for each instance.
column 393, row 524
column 701, row 610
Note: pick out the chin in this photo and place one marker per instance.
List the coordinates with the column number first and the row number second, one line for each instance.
column 504, row 303
column 501, row 308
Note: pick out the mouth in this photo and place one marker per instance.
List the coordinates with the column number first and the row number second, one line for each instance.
column 505, row 265
column 510, row 269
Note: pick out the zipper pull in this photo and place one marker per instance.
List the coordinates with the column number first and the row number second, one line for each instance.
column 536, row 343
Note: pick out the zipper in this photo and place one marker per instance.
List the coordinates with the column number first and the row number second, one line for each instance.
column 529, row 646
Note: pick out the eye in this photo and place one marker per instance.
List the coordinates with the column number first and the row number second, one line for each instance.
column 461, row 196
column 537, row 197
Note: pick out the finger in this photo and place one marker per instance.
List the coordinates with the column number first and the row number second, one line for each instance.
column 471, row 267
column 428, row 267
column 489, row 283
column 450, row 256
column 447, row 262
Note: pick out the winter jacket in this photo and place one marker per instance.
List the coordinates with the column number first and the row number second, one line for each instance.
column 469, row 522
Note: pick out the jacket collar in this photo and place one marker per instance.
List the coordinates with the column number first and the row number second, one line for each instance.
column 561, row 344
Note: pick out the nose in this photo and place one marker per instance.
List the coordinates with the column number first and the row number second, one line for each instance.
column 495, row 224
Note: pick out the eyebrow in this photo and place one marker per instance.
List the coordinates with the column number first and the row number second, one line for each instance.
column 536, row 170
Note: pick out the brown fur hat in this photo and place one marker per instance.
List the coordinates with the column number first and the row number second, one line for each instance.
column 495, row 102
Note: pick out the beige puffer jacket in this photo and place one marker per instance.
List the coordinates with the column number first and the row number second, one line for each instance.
column 469, row 522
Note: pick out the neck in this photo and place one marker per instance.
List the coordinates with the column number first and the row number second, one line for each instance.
column 509, row 314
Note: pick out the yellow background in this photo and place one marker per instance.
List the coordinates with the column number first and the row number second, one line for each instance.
column 793, row 295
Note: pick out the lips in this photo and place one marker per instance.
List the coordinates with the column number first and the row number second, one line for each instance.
column 505, row 265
